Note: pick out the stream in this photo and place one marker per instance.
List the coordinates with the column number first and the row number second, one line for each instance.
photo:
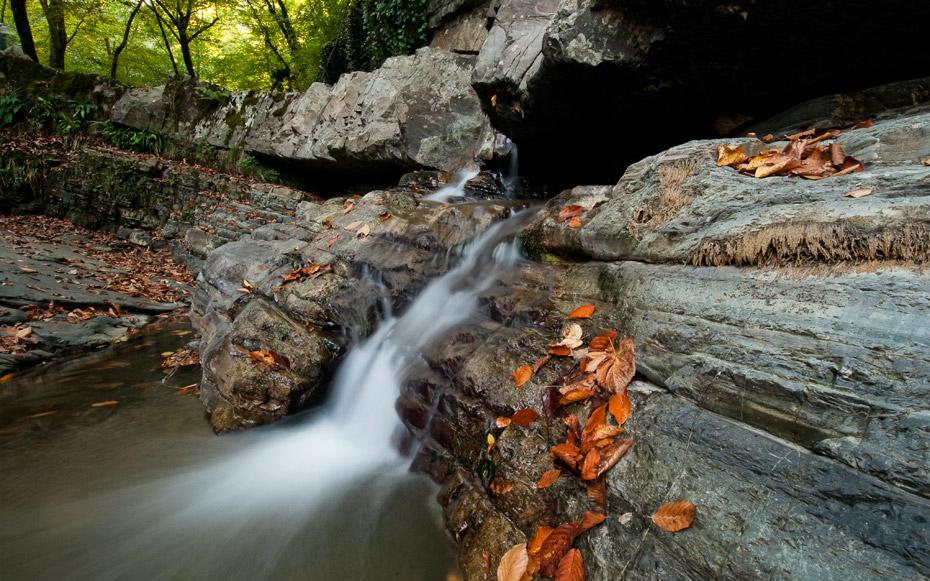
column 142, row 489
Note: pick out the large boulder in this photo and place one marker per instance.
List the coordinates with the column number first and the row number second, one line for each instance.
column 416, row 111
column 781, row 333
column 586, row 87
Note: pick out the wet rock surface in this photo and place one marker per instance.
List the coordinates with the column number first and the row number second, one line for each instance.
column 384, row 246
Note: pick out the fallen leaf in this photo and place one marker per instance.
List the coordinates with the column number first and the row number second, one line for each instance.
column 574, row 223
column 103, row 404
column 619, row 406
column 541, row 362
column 583, row 312
column 590, row 519
column 597, row 491
column 384, row 216
column 612, row 454
column 327, row 225
column 522, row 374
column 575, row 396
column 348, row 206
column 41, row 415
column 569, row 212
column 548, row 478
column 626, row 518
column 926, row 161
column 572, row 335
column 767, row 138
column 571, row 567
column 28, row 270
column 491, row 440
column 554, row 548
column 560, row 351
column 24, row 332
column 270, row 358
column 502, row 422
column 567, row 453
column 363, row 231
column 331, row 241
column 524, row 417
column 513, row 564
column 7, row 377
column 500, row 486
column 859, row 193
column 728, row 155
column 536, row 543
column 674, row 516
column 590, row 464
column 867, row 124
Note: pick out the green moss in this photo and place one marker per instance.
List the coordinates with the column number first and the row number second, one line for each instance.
column 531, row 243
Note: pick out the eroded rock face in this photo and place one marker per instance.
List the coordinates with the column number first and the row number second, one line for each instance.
column 595, row 85
column 783, row 390
column 312, row 322
column 417, row 111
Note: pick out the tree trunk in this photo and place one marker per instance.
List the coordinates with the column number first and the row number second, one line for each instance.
column 122, row 45
column 164, row 36
column 58, row 36
column 21, row 19
column 186, row 54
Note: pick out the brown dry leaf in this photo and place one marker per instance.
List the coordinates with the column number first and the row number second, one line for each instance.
column 571, row 336
column 860, row 193
column 571, row 567
column 331, row 241
column 612, row 454
column 348, row 206
column 575, row 396
column 867, row 124
column 548, row 478
column 524, row 417
column 513, row 564
column 837, row 154
column 731, row 155
column 583, row 312
column 560, row 351
column 674, row 516
column 767, row 138
column 554, row 548
column 801, row 134
column 327, row 225
column 574, row 223
column 620, row 407
column 926, row 161
column 502, row 422
column 567, row 453
column 590, row 520
column 596, row 420
column 778, row 165
column 574, row 429
column 590, row 464
column 42, row 415
column 500, row 486
column 569, row 212
column 618, row 368
column 597, row 491
column 541, row 362
column 521, row 375
column 363, row 231
column 536, row 543
column 384, row 216
column 104, row 404
column 270, row 358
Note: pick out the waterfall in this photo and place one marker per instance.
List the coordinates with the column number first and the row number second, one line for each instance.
column 314, row 485
column 455, row 189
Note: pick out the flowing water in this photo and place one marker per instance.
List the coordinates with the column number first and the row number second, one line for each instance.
column 141, row 490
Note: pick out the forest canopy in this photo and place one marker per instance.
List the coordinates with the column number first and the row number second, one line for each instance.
column 240, row 44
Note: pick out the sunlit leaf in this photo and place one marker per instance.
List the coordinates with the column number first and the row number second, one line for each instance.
column 502, row 422
column 569, row 212
column 731, row 155
column 620, row 407
column 513, row 564
column 574, row 223
column 590, row 464
column 522, row 375
column 103, row 404
column 560, row 351
column 583, row 312
column 612, row 454
column 860, row 193
column 567, row 453
column 674, row 516
column 542, row 533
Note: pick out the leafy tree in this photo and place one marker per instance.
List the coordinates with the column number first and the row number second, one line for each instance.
column 186, row 20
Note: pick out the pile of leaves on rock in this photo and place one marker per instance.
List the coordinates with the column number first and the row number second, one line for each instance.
column 599, row 378
column 806, row 156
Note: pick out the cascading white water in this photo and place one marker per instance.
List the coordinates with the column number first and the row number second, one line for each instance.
column 245, row 516
column 455, row 189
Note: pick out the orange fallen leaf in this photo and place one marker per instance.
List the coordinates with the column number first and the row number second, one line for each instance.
column 348, row 206
column 567, row 453
column 575, row 396
column 674, row 516
column 612, row 454
column 270, row 358
column 384, row 216
column 42, row 414
column 513, row 564
column 569, row 212
column 524, row 417
column 926, row 161
column 574, row 223
column 867, row 124
column 521, row 375
column 571, row 567
column 590, row 464
column 103, row 404
column 500, row 486
column 560, row 351
column 583, row 312
column 620, row 407
column 542, row 533
column 502, row 422
column 731, row 155
column 548, row 478
column 541, row 362
column 597, row 491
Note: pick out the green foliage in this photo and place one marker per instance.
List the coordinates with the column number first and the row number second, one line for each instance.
column 44, row 112
column 131, row 139
column 80, row 113
column 251, row 167
column 373, row 31
column 214, row 95
column 10, row 107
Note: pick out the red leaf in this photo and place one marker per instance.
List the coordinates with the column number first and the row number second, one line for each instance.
column 548, row 478
column 620, row 407
column 569, row 212
column 524, row 417
column 571, row 567
column 522, row 374
column 583, row 312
